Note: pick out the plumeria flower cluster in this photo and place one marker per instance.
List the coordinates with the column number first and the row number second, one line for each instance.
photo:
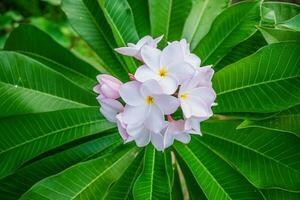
column 168, row 80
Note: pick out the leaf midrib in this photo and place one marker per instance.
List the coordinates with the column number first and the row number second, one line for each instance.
column 252, row 150
column 257, row 84
column 207, row 171
column 97, row 177
column 49, row 134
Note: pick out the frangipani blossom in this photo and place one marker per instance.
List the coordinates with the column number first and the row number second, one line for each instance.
column 168, row 79
column 167, row 67
column 108, row 86
column 110, row 108
column 196, row 100
column 176, row 131
column 134, row 50
column 146, row 104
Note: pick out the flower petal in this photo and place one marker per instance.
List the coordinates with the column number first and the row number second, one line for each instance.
column 110, row 108
column 168, row 84
column 187, row 112
column 150, row 88
column 144, row 73
column 171, row 54
column 127, row 51
column 134, row 114
column 182, row 71
column 168, row 139
column 130, row 93
column 155, row 119
column 184, row 138
column 206, row 94
column 135, row 130
column 151, row 57
column 199, row 107
column 158, row 141
column 143, row 139
column 168, row 104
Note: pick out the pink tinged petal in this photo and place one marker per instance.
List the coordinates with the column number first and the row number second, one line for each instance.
column 199, row 107
column 97, row 89
column 168, row 139
column 108, row 79
column 171, row 54
column 168, row 84
column 130, row 93
column 122, row 127
column 151, row 57
column 109, row 86
column 158, row 141
column 110, row 108
column 150, row 88
column 134, row 114
column 144, row 73
column 206, row 94
column 192, row 125
column 168, row 104
column 155, row 119
column 128, row 51
column 184, row 138
column 187, row 111
column 143, row 139
column 182, row 71
column 135, row 130
column 109, row 92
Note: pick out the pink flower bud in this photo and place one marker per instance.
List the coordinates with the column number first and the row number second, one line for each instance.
column 108, row 86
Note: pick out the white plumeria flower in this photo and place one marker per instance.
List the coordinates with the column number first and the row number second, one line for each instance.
column 110, row 108
column 196, row 100
column 122, row 129
column 167, row 67
column 193, row 124
column 176, row 131
column 135, row 49
column 146, row 104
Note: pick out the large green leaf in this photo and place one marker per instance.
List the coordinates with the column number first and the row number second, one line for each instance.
column 201, row 17
column 88, row 20
column 120, row 18
column 268, row 159
column 274, row 35
column 13, row 186
column 27, row 136
column 217, row 178
column 282, row 11
column 155, row 182
column 242, row 50
column 27, row 86
column 27, row 40
column 179, row 12
column 273, row 194
column 123, row 187
column 293, row 23
column 231, row 27
column 261, row 82
column 141, row 16
column 87, row 180
column 287, row 121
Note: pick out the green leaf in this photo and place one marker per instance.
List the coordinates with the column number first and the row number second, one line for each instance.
column 27, row 86
column 274, row 194
column 293, row 23
column 217, row 178
column 89, row 22
column 200, row 19
column 122, row 188
column 140, row 12
column 282, row 11
column 177, row 190
column 13, row 186
column 263, row 82
column 120, row 18
column 268, row 159
column 286, row 121
column 273, row 35
column 96, row 177
column 160, row 16
column 27, row 40
column 26, row 136
column 242, row 50
column 179, row 12
column 233, row 26
column 155, row 182
column 193, row 189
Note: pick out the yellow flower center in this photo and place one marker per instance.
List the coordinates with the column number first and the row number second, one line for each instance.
column 163, row 72
column 184, row 96
column 149, row 100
